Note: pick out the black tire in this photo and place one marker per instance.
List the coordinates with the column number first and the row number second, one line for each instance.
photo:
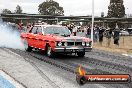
column 27, row 47
column 49, row 51
column 81, row 54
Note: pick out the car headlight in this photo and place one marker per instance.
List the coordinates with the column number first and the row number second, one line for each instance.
column 87, row 44
column 65, row 44
column 59, row 44
column 83, row 43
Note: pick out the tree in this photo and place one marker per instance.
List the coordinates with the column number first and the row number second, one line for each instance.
column 6, row 11
column 18, row 10
column 116, row 9
column 50, row 7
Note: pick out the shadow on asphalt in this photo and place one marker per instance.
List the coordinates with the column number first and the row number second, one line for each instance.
column 58, row 55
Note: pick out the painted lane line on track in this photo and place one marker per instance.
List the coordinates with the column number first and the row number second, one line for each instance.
column 4, row 83
column 7, row 82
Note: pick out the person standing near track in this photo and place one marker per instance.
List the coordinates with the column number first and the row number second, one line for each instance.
column 28, row 26
column 96, row 33
column 20, row 27
column 70, row 27
column 74, row 30
column 116, row 36
column 101, row 32
column 88, row 34
column 108, row 34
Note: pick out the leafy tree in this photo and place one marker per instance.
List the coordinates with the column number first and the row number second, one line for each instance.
column 116, row 9
column 50, row 7
column 18, row 10
column 6, row 11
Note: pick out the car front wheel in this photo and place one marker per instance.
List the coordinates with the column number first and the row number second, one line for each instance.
column 50, row 52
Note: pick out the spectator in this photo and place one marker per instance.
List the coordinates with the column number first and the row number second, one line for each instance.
column 88, row 34
column 30, row 29
column 28, row 26
column 108, row 36
column 70, row 27
column 96, row 33
column 101, row 32
column 116, row 35
column 74, row 31
column 20, row 27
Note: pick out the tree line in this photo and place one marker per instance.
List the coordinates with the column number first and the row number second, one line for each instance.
column 50, row 7
column 17, row 11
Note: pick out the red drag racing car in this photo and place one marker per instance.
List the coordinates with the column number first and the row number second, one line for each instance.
column 55, row 39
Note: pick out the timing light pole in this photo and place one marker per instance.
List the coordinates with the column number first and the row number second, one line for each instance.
column 92, row 21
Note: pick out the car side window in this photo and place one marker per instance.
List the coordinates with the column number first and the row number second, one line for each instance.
column 48, row 30
column 34, row 30
column 39, row 30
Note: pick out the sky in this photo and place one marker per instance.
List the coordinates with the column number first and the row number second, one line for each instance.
column 71, row 7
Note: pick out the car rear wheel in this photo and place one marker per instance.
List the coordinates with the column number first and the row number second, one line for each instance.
column 50, row 52
column 27, row 47
column 81, row 54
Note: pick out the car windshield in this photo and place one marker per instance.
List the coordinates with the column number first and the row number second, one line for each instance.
column 63, row 31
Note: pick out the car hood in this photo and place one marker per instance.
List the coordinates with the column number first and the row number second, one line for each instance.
column 71, row 38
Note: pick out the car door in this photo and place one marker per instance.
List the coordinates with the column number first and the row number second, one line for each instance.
column 32, row 37
column 40, row 42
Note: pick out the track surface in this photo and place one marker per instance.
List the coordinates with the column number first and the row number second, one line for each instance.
column 95, row 62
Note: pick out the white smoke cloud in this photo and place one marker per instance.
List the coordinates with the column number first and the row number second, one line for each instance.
column 10, row 38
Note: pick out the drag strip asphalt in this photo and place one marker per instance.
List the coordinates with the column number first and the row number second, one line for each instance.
column 58, row 74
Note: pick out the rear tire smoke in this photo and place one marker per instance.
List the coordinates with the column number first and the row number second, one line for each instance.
column 10, row 37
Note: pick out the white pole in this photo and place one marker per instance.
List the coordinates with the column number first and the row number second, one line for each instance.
column 92, row 21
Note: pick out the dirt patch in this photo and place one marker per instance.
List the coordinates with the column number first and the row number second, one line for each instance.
column 125, row 45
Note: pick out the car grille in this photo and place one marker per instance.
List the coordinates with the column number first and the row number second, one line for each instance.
column 76, row 40
column 74, row 43
column 70, row 43
column 78, row 43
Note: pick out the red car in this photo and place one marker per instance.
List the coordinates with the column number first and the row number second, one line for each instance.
column 55, row 39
